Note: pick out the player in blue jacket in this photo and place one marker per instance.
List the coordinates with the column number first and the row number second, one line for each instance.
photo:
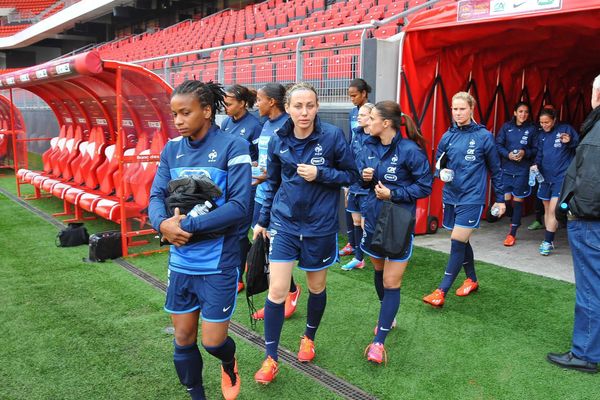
column 396, row 170
column 517, row 146
column 355, row 199
column 271, row 104
column 358, row 92
column 468, row 151
column 203, row 275
column 239, row 122
column 555, row 150
column 308, row 162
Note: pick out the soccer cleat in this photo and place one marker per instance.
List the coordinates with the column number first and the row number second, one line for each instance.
column 510, row 240
column 230, row 383
column 307, row 350
column 259, row 315
column 267, row 372
column 394, row 323
column 291, row 302
column 346, row 250
column 241, row 287
column 546, row 248
column 467, row 287
column 375, row 352
column 436, row 298
column 535, row 225
column 354, row 263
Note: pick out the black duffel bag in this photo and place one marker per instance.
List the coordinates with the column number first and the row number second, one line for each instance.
column 74, row 234
column 393, row 230
column 105, row 246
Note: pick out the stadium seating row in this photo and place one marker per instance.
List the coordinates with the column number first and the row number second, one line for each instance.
column 85, row 174
column 28, row 9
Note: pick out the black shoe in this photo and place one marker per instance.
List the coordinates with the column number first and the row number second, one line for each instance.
column 570, row 361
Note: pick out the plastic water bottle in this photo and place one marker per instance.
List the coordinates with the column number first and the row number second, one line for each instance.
column 515, row 152
column 201, row 209
column 532, row 177
column 539, row 177
column 495, row 211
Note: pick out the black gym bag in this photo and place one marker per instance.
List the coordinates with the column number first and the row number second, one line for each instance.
column 74, row 234
column 105, row 246
column 393, row 230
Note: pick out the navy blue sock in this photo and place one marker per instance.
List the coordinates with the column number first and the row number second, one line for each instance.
column 549, row 236
column 315, row 309
column 358, row 233
column 457, row 256
column 378, row 279
column 224, row 352
column 387, row 313
column 274, row 316
column 469, row 262
column 350, row 229
column 188, row 364
column 293, row 287
column 516, row 218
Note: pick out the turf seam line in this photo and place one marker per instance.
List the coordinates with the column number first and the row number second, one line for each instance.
column 323, row 377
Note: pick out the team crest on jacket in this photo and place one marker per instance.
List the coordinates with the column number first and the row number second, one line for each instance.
column 395, row 159
column 318, row 150
column 317, row 161
column 243, row 131
column 471, row 151
column 212, row 156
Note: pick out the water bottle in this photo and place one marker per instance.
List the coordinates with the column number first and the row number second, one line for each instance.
column 515, row 152
column 495, row 211
column 201, row 209
column 539, row 177
column 532, row 177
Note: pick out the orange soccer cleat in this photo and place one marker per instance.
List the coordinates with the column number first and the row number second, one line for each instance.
column 436, row 298
column 230, row 383
column 467, row 287
column 267, row 372
column 307, row 350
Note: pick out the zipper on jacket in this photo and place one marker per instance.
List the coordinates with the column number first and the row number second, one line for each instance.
column 300, row 237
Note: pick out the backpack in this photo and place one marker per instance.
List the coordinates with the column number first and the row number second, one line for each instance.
column 257, row 274
column 75, row 234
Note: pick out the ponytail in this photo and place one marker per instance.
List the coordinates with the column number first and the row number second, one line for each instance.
column 391, row 110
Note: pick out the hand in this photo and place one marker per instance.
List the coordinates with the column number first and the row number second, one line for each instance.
column 565, row 137
column 382, row 192
column 367, row 174
column 257, row 180
column 520, row 155
column 259, row 230
column 501, row 208
column 308, row 172
column 534, row 167
column 172, row 232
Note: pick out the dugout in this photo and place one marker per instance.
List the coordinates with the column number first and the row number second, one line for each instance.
column 11, row 132
column 501, row 51
column 114, row 118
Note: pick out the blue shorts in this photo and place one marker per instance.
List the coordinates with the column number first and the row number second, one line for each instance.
column 464, row 216
column 356, row 203
column 215, row 295
column 516, row 185
column 365, row 245
column 312, row 253
column 548, row 190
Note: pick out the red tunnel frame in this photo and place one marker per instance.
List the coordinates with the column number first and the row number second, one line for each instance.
column 89, row 92
column 548, row 57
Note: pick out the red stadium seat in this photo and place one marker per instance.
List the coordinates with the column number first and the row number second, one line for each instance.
column 313, row 69
column 340, row 67
column 264, row 72
column 285, row 71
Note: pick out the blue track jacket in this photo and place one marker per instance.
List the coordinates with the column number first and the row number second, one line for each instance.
column 295, row 206
column 353, row 122
column 224, row 159
column 402, row 167
column 553, row 157
column 268, row 130
column 248, row 127
column 470, row 151
column 359, row 137
column 514, row 137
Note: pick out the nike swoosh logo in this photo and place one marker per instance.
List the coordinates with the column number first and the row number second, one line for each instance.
column 294, row 302
column 268, row 343
column 283, row 151
column 225, row 309
column 326, row 259
column 371, row 157
column 383, row 329
column 519, row 4
column 471, row 221
column 179, row 156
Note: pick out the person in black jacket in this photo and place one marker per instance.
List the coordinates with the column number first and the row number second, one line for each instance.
column 581, row 197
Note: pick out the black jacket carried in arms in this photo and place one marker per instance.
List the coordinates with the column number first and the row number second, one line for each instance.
column 581, row 187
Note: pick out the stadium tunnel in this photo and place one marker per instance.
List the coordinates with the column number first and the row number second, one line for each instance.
column 547, row 57
column 108, row 103
column 12, row 132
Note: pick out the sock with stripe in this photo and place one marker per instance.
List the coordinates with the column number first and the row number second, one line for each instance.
column 188, row 364
column 274, row 316
column 315, row 309
column 457, row 257
column 387, row 313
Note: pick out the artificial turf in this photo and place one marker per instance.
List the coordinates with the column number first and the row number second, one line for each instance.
column 490, row 345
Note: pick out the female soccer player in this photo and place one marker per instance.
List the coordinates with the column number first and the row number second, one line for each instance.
column 555, row 150
column 358, row 91
column 469, row 151
column 356, row 194
column 517, row 149
column 308, row 162
column 203, row 275
column 398, row 171
column 239, row 122
column 271, row 104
